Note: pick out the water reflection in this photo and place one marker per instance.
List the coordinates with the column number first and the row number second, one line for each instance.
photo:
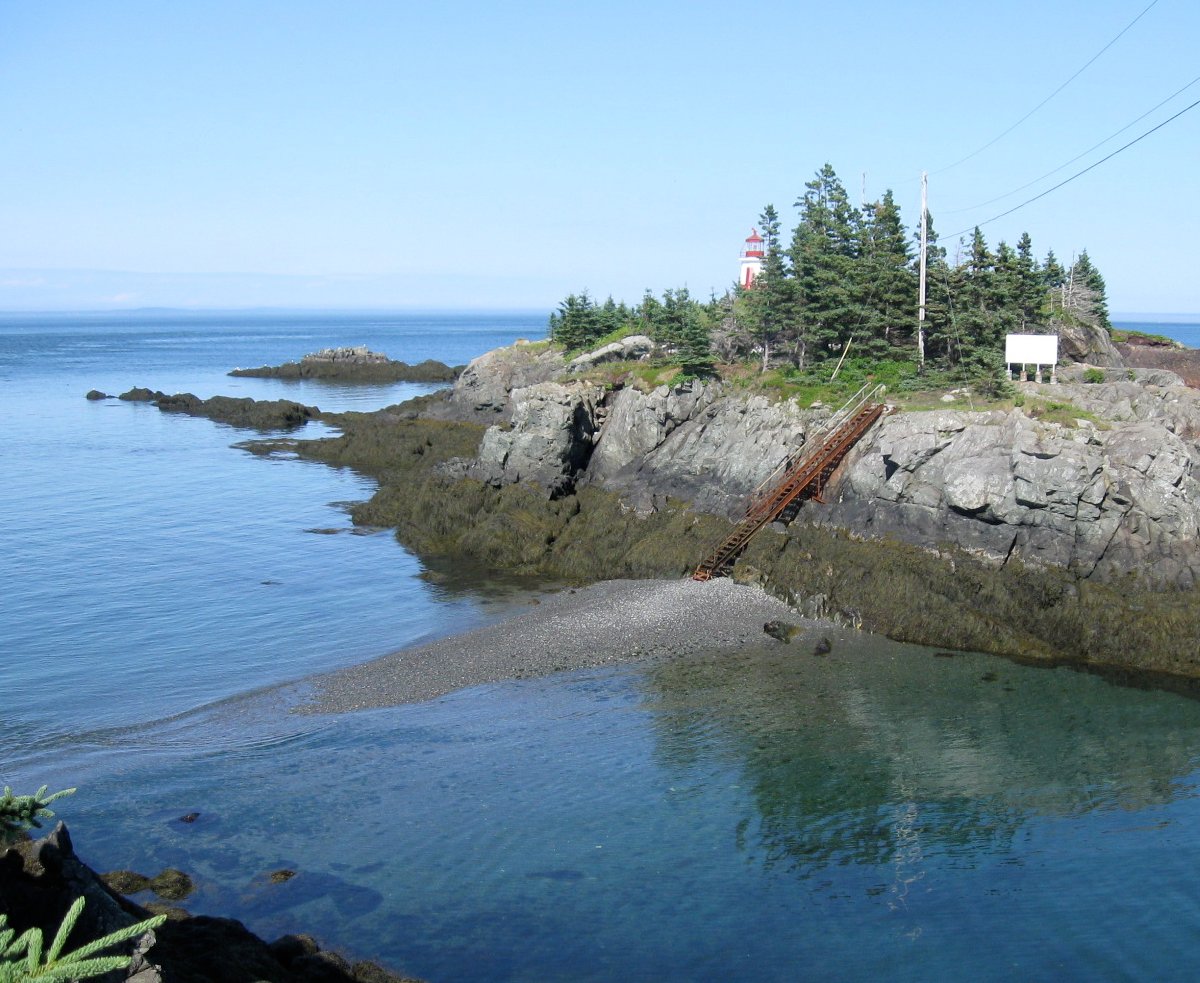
column 882, row 754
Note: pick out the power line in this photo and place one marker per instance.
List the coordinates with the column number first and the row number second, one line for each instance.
column 1132, row 123
column 1079, row 173
column 997, row 139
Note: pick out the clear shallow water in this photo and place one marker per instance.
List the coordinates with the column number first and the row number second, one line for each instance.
column 148, row 566
column 879, row 813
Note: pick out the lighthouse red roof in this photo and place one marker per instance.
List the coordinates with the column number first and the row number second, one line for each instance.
column 754, row 236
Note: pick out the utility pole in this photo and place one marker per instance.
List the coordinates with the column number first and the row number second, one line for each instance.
column 924, row 256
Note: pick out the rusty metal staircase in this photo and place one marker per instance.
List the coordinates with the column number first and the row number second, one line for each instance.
column 803, row 475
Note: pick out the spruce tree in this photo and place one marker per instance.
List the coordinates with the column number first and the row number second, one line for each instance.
column 825, row 248
column 769, row 302
column 979, row 328
column 886, row 287
column 1089, row 295
column 1031, row 289
column 1053, row 279
column 695, row 343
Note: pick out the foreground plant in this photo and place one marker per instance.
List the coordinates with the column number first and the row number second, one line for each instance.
column 21, row 812
column 21, row 957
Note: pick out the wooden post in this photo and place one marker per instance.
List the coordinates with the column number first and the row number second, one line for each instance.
column 841, row 360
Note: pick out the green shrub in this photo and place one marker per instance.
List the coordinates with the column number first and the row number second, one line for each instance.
column 21, row 812
column 1093, row 375
column 21, row 956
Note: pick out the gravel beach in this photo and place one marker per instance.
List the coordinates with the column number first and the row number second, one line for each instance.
column 609, row 622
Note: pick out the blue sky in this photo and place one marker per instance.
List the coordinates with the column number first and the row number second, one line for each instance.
column 467, row 154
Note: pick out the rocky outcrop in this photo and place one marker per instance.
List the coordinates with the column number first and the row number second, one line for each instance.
column 692, row 442
column 639, row 422
column 626, row 350
column 1132, row 395
column 357, row 364
column 1141, row 351
column 1098, row 502
column 40, row 879
column 550, row 441
column 687, row 441
column 1082, row 341
column 237, row 411
column 269, row 414
column 1104, row 487
column 483, row 391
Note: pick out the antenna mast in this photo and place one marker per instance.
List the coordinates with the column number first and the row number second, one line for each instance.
column 924, row 255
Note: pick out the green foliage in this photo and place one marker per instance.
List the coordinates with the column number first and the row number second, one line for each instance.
column 847, row 276
column 22, row 958
column 1063, row 413
column 1093, row 375
column 22, row 812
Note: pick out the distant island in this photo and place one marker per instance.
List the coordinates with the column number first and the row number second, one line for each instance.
column 356, row 364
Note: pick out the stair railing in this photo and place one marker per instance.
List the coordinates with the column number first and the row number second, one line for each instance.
column 848, row 409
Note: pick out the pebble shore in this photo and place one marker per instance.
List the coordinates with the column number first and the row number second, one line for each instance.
column 602, row 624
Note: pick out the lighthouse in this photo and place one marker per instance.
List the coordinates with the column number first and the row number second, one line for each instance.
column 752, row 260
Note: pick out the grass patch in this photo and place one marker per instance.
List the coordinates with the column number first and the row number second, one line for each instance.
column 1063, row 413
column 1126, row 336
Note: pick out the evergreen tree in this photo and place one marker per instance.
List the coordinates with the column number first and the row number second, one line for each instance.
column 1053, row 279
column 1088, row 296
column 1031, row 289
column 695, row 344
column 769, row 302
column 886, row 287
column 979, row 332
column 576, row 323
column 1006, row 290
column 825, row 248
column 648, row 314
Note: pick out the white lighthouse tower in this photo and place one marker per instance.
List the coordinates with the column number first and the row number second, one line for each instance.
column 752, row 260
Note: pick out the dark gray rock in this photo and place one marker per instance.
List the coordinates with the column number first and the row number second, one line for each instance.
column 139, row 394
column 357, row 364
column 783, row 630
column 274, row 414
column 39, row 881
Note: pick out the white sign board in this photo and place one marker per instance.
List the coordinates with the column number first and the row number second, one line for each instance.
column 1031, row 349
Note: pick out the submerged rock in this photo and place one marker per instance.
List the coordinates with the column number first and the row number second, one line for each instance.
column 277, row 414
column 39, row 880
column 785, row 631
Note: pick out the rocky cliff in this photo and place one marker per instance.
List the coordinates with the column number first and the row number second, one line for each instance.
column 1096, row 478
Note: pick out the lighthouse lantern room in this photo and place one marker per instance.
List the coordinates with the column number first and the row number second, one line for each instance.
column 752, row 259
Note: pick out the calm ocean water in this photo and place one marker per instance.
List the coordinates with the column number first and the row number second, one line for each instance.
column 880, row 813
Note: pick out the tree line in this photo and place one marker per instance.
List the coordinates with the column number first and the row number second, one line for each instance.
column 848, row 276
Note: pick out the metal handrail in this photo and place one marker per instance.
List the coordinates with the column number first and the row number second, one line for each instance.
column 847, row 410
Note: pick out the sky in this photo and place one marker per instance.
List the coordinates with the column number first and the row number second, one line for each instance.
column 459, row 155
